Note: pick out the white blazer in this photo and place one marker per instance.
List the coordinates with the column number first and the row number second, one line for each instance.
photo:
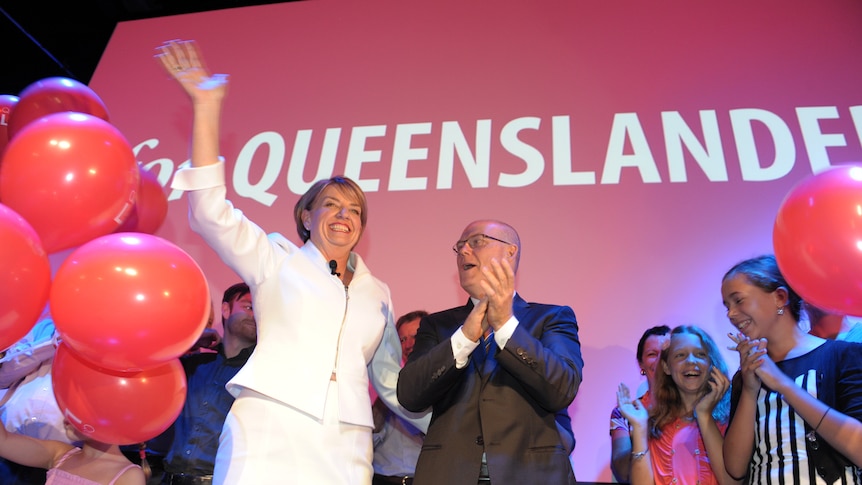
column 300, row 308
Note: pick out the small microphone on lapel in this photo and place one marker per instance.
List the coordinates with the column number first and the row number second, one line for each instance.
column 332, row 267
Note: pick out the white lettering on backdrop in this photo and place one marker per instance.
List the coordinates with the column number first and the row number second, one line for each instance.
column 628, row 149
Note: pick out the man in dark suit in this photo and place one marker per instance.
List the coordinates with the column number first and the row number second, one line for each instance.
column 498, row 372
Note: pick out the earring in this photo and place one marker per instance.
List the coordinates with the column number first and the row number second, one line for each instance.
column 780, row 311
column 643, row 372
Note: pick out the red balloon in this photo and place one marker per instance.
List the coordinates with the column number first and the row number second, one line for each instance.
column 817, row 239
column 114, row 407
column 25, row 277
column 7, row 103
column 54, row 95
column 151, row 206
column 129, row 301
column 72, row 176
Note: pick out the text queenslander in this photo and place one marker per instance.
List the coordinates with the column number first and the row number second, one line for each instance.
column 473, row 157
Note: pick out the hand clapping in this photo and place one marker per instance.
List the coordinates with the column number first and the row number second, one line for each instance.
column 632, row 409
column 751, row 356
column 499, row 288
column 476, row 324
column 719, row 383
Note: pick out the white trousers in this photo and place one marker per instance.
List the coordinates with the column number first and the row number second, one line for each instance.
column 265, row 441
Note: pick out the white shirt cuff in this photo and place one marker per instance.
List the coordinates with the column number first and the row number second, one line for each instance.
column 199, row 178
column 505, row 332
column 462, row 347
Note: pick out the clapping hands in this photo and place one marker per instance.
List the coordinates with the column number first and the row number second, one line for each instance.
column 632, row 409
column 718, row 385
column 752, row 355
column 499, row 287
column 477, row 323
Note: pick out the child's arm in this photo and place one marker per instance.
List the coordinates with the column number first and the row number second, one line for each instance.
column 31, row 452
column 709, row 431
column 640, row 471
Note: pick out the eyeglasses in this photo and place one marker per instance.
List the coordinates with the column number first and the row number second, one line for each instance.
column 475, row 242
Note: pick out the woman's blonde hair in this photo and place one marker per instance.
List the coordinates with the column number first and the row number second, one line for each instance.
column 347, row 187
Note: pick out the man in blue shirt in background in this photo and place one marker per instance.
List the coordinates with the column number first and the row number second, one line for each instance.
column 191, row 457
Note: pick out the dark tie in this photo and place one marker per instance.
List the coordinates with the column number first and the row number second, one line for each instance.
column 489, row 343
column 480, row 354
column 490, row 348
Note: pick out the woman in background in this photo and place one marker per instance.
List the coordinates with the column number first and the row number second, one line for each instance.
column 649, row 350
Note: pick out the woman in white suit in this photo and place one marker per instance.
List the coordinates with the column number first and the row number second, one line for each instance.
column 303, row 411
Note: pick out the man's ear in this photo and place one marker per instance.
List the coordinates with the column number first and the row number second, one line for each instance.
column 225, row 310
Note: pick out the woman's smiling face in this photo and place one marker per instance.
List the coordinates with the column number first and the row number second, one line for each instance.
column 334, row 220
column 653, row 346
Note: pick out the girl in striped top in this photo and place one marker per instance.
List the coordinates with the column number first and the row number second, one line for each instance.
column 796, row 399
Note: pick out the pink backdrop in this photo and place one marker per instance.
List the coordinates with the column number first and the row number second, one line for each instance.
column 640, row 148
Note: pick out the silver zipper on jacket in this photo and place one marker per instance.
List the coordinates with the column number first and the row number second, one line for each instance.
column 333, row 377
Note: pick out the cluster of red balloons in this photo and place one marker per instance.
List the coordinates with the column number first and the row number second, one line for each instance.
column 127, row 306
column 68, row 171
column 126, row 303
column 817, row 239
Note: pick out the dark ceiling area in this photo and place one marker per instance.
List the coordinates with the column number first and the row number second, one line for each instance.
column 47, row 38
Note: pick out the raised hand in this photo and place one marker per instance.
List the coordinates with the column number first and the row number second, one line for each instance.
column 632, row 409
column 718, row 385
column 499, row 287
column 476, row 324
column 183, row 61
column 770, row 374
column 750, row 354
column 209, row 339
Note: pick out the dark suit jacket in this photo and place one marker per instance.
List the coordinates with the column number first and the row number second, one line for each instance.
column 514, row 409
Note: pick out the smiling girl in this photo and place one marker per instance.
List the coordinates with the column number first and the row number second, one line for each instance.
column 797, row 399
column 679, row 439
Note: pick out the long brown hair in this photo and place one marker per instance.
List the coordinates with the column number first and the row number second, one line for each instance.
column 667, row 403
